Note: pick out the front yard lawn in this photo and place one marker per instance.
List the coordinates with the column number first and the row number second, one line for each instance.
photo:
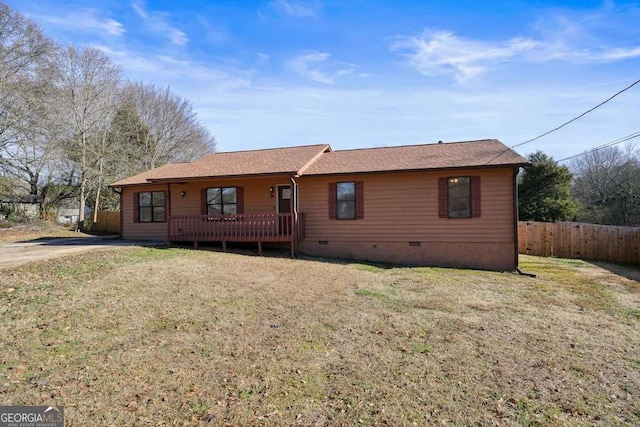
column 140, row 336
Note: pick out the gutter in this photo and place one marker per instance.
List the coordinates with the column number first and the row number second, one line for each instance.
column 440, row 169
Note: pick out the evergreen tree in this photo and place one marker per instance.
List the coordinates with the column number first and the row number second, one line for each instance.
column 133, row 140
column 544, row 193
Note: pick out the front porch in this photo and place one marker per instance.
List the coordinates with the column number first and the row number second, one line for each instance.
column 259, row 228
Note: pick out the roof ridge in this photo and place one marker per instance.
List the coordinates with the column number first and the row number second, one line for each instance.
column 418, row 145
column 326, row 149
column 263, row 149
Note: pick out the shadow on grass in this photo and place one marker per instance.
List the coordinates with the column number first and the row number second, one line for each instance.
column 630, row 271
column 282, row 250
column 278, row 250
column 107, row 240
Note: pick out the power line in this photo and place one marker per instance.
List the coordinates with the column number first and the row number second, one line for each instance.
column 568, row 122
column 600, row 147
column 578, row 117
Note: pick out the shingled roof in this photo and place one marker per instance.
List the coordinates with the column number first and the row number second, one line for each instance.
column 292, row 160
column 486, row 152
column 320, row 160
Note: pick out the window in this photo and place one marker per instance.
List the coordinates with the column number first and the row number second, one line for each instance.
column 151, row 206
column 346, row 197
column 346, row 200
column 459, row 197
column 222, row 201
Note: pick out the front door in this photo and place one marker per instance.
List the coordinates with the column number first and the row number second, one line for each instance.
column 285, row 224
column 284, row 199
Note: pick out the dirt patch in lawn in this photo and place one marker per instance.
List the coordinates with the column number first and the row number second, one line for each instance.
column 142, row 336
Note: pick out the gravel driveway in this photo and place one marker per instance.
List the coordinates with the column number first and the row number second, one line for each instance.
column 12, row 254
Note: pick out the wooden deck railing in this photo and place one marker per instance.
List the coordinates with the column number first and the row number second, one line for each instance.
column 234, row 228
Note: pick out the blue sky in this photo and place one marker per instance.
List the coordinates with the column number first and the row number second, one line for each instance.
column 358, row 73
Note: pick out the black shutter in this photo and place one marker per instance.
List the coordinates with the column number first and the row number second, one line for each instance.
column 359, row 200
column 136, row 207
column 333, row 205
column 203, row 201
column 475, row 197
column 443, row 198
column 239, row 200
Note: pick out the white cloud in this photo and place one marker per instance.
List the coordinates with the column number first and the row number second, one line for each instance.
column 302, row 65
column 262, row 58
column 308, row 65
column 184, row 73
column 156, row 22
column 86, row 20
column 601, row 36
column 617, row 54
column 296, row 9
column 442, row 52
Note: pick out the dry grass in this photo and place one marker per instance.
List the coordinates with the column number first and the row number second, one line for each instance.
column 36, row 230
column 176, row 337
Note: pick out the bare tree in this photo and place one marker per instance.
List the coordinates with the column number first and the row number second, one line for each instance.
column 24, row 51
column 26, row 66
column 607, row 185
column 68, row 126
column 30, row 141
column 166, row 127
column 26, row 155
column 87, row 83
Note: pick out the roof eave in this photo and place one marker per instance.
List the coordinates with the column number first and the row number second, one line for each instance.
column 496, row 166
column 209, row 177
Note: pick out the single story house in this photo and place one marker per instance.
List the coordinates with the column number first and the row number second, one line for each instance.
column 444, row 204
column 69, row 215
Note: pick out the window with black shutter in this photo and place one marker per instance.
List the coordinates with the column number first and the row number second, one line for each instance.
column 346, row 200
column 459, row 197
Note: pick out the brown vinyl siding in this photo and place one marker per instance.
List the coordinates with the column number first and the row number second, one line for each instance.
column 404, row 207
column 141, row 230
column 255, row 193
column 401, row 221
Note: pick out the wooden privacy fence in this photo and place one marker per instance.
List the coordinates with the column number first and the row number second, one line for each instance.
column 108, row 222
column 578, row 240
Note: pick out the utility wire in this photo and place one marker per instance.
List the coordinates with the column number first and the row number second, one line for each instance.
column 600, row 147
column 568, row 122
column 578, row 117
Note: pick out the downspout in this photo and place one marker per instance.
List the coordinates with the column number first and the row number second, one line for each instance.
column 515, row 224
column 294, row 210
